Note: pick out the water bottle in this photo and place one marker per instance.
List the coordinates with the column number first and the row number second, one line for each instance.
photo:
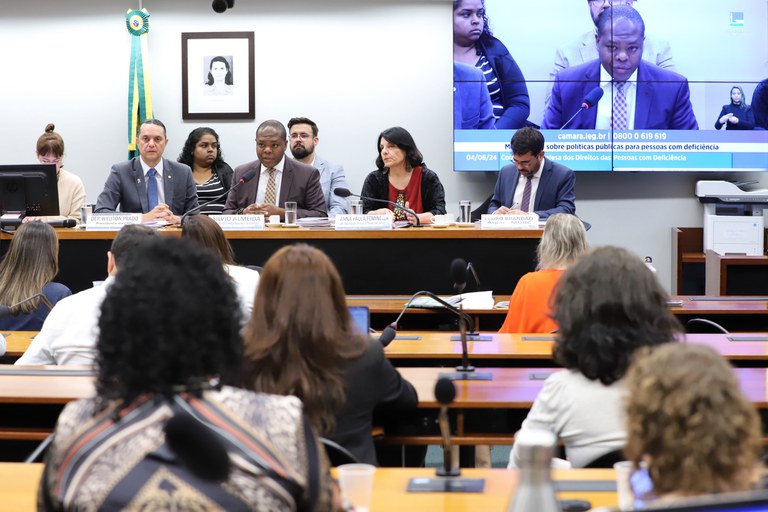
column 535, row 491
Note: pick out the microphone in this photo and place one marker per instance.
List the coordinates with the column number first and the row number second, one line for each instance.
column 15, row 309
column 589, row 101
column 245, row 178
column 445, row 393
column 459, row 274
column 62, row 223
column 345, row 192
column 390, row 331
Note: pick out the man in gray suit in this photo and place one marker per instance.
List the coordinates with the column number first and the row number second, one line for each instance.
column 304, row 139
column 160, row 189
column 277, row 180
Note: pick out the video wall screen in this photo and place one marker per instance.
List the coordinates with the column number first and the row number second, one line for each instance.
column 649, row 85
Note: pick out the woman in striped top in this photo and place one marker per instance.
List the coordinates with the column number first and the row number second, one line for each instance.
column 474, row 45
column 202, row 152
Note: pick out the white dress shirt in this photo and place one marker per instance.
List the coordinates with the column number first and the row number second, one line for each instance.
column 517, row 201
column 264, row 179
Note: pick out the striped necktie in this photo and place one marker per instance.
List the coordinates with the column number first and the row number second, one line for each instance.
column 619, row 119
column 269, row 195
column 526, row 202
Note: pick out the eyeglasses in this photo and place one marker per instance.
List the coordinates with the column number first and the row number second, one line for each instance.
column 302, row 136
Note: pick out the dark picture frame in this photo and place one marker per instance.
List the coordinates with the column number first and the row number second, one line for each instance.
column 217, row 75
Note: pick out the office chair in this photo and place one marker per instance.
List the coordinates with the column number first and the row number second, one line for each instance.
column 607, row 460
column 337, row 454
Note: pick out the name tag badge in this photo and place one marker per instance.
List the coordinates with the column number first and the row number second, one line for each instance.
column 511, row 221
column 111, row 221
column 352, row 222
column 240, row 222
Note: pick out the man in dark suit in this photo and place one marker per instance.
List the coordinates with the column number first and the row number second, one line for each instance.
column 638, row 95
column 278, row 179
column 158, row 188
column 545, row 187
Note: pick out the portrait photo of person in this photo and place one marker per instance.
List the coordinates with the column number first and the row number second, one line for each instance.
column 218, row 76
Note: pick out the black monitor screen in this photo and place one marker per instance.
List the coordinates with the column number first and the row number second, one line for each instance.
column 669, row 86
column 29, row 189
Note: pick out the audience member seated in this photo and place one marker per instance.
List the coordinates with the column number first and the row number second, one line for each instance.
column 158, row 188
column 301, row 341
column 736, row 115
column 70, row 331
column 277, row 179
column 28, row 269
column 475, row 45
column 212, row 175
column 563, row 242
column 403, row 178
column 208, row 233
column 688, row 423
column 607, row 305
column 166, row 431
column 50, row 150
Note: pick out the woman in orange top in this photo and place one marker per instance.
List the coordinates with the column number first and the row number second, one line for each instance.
column 563, row 242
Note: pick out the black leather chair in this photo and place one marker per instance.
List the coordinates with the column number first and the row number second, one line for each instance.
column 337, row 454
column 607, row 460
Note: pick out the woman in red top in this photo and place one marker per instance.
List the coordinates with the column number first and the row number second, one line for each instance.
column 403, row 178
column 563, row 242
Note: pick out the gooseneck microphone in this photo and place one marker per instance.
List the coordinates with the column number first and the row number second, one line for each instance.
column 345, row 192
column 245, row 178
column 589, row 101
column 390, row 331
column 445, row 393
column 15, row 309
column 459, row 275
column 61, row 223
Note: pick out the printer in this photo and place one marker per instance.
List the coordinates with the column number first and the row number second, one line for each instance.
column 733, row 217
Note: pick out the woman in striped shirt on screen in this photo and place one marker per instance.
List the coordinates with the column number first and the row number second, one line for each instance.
column 213, row 177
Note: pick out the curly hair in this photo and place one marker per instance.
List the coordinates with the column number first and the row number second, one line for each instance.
column 300, row 335
column 187, row 155
column 171, row 319
column 688, row 420
column 401, row 138
column 32, row 261
column 606, row 306
column 564, row 240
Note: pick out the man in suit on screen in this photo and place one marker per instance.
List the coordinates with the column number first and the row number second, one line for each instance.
column 158, row 188
column 278, row 179
column 638, row 95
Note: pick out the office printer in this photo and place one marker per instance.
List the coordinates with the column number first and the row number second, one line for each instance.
column 733, row 217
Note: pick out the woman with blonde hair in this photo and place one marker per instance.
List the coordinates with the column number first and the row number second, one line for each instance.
column 689, row 424
column 300, row 341
column 563, row 242
column 50, row 150
column 28, row 268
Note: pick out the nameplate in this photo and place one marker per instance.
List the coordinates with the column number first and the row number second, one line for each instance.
column 111, row 221
column 239, row 222
column 352, row 222
column 511, row 221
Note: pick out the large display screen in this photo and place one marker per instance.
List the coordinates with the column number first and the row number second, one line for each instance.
column 689, row 93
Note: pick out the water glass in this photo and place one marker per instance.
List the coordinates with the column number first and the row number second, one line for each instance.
column 465, row 211
column 290, row 212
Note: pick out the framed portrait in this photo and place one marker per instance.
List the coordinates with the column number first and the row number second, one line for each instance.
column 217, row 77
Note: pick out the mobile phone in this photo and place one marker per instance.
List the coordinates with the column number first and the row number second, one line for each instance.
column 642, row 488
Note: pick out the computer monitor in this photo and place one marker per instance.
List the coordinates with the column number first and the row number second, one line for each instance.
column 31, row 190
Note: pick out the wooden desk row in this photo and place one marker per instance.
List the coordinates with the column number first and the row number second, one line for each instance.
column 19, row 484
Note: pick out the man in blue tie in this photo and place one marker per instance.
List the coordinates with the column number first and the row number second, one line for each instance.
column 533, row 183
column 160, row 189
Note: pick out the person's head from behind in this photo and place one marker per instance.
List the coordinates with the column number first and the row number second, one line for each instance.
column 206, row 232
column 31, row 262
column 688, row 421
column 737, row 96
column 470, row 22
column 596, row 7
column 151, row 141
column 303, row 132
column 396, row 147
column 50, row 147
column 169, row 323
column 202, row 148
column 271, row 142
column 620, row 37
column 564, row 240
column 527, row 150
column 300, row 332
column 219, row 71
column 127, row 240
column 607, row 305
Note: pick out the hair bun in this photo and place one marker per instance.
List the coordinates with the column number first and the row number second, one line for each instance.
column 49, row 127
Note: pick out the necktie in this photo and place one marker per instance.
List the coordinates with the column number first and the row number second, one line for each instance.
column 152, row 199
column 526, row 202
column 619, row 119
column 269, row 195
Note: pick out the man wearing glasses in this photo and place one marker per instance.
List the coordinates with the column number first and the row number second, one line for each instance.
column 303, row 140
column 584, row 49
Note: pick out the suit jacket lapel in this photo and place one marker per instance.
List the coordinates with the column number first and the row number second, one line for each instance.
column 168, row 183
column 141, row 187
column 546, row 174
column 285, row 184
column 643, row 99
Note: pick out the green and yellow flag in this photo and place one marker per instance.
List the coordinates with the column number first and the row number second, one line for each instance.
column 139, row 90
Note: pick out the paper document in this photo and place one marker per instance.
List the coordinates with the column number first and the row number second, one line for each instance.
column 473, row 300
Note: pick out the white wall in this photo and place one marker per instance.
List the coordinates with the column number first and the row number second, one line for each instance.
column 354, row 67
